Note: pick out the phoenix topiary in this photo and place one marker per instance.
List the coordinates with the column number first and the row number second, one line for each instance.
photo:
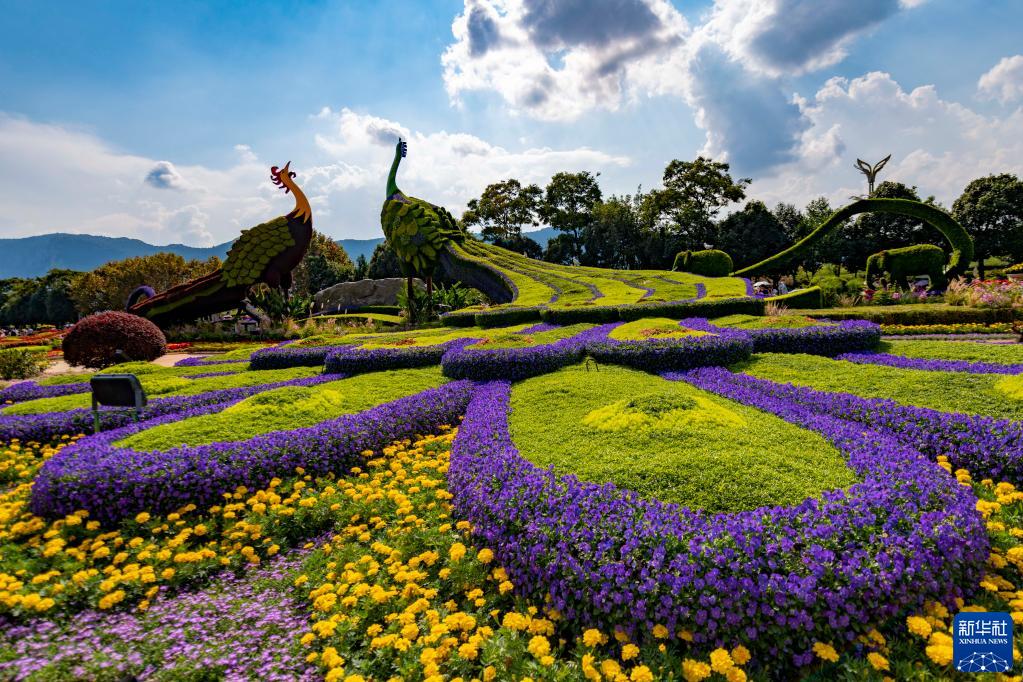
column 709, row 263
column 909, row 262
column 95, row 340
column 417, row 230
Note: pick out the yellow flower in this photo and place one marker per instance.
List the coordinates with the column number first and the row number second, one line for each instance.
column 629, row 651
column 878, row 661
column 142, row 518
column 610, row 668
column 694, row 671
column 919, row 626
column 485, row 556
column 825, row 652
column 167, row 573
column 505, row 587
column 592, row 637
column 489, row 673
column 457, row 551
column 660, row 632
column 735, row 675
column 468, row 651
column 539, row 646
column 740, row 655
column 720, row 661
column 641, row 674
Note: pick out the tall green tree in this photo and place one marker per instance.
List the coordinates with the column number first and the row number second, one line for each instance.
column 568, row 205
column 108, row 286
column 614, row 239
column 502, row 211
column 751, row 235
column 383, row 263
column 325, row 264
column 991, row 210
column 685, row 208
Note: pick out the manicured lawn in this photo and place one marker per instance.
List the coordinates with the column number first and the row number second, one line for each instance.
column 291, row 407
column 946, row 391
column 1006, row 353
column 766, row 322
column 668, row 440
column 652, row 327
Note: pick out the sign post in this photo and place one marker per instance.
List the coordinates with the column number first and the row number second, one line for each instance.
column 116, row 390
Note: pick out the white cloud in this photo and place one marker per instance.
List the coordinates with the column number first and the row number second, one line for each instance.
column 72, row 181
column 784, row 37
column 936, row 144
column 558, row 60
column 1004, row 81
column 441, row 167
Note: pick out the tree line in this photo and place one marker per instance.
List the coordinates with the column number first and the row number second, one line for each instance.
column 647, row 229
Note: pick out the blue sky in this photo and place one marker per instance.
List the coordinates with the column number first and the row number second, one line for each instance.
column 204, row 97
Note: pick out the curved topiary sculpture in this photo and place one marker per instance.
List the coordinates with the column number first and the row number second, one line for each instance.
column 909, row 262
column 266, row 253
column 709, row 263
column 961, row 242
column 96, row 339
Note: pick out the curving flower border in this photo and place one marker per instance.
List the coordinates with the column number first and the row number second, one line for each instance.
column 114, row 483
column 484, row 364
column 933, row 365
column 777, row 578
column 355, row 360
column 46, row 426
column 986, row 446
column 826, row 339
column 31, row 390
column 721, row 347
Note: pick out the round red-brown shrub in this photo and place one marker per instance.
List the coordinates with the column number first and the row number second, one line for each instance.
column 95, row 340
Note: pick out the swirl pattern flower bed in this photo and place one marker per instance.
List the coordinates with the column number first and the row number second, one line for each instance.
column 722, row 347
column 779, row 578
column 113, row 483
column 988, row 447
column 484, row 364
column 825, row 339
column 354, row 360
column 930, row 364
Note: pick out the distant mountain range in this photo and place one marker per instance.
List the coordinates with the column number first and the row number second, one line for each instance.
column 35, row 256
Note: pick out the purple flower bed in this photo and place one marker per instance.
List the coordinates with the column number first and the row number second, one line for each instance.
column 30, row 390
column 45, row 426
column 355, row 360
column 830, row 339
column 987, row 447
column 114, row 483
column 776, row 578
column 903, row 362
column 284, row 357
column 538, row 328
column 484, row 364
column 239, row 628
column 724, row 347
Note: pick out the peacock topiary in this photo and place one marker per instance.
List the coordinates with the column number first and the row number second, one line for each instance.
column 416, row 230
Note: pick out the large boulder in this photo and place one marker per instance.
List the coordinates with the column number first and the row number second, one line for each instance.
column 354, row 295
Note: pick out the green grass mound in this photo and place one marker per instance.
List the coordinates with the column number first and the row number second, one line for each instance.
column 164, row 384
column 652, row 328
column 767, row 322
column 141, row 369
column 971, row 351
column 669, row 440
column 290, row 407
column 505, row 338
column 945, row 391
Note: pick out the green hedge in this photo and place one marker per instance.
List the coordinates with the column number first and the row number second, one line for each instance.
column 961, row 242
column 461, row 318
column 918, row 313
column 908, row 261
column 677, row 310
column 709, row 263
column 506, row 317
column 812, row 297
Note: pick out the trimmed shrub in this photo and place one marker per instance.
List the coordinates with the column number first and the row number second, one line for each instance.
column 701, row 308
column 21, row 363
column 709, row 263
column 464, row 318
column 95, row 340
column 812, row 297
column 506, row 317
column 916, row 314
column 592, row 313
column 908, row 262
